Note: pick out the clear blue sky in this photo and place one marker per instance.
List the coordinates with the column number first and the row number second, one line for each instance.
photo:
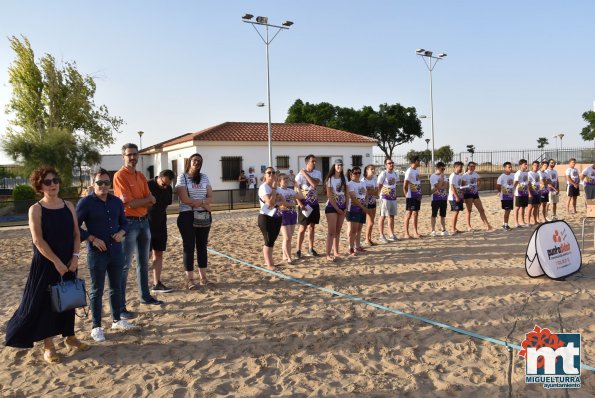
column 515, row 71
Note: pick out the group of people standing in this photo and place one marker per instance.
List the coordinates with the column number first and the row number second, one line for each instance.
column 130, row 223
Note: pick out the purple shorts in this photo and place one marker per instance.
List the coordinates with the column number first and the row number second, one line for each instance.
column 288, row 218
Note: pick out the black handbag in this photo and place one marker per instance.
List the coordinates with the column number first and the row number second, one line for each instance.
column 68, row 295
column 202, row 218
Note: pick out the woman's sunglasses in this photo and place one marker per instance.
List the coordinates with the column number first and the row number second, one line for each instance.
column 270, row 172
column 48, row 181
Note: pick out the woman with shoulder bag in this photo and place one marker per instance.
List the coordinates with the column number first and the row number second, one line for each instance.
column 194, row 221
column 269, row 219
column 56, row 245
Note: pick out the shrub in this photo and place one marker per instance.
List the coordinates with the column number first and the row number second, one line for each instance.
column 23, row 196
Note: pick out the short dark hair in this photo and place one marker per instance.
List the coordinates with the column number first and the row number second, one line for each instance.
column 415, row 159
column 552, row 160
column 535, row 162
column 545, row 162
column 38, row 175
column 99, row 172
column 167, row 173
column 506, row 164
column 571, row 160
column 457, row 163
column 387, row 159
column 309, row 157
column 522, row 161
column 128, row 146
column 440, row 165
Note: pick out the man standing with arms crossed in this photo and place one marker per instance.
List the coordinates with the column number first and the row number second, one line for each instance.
column 387, row 187
column 306, row 181
column 161, row 189
column 132, row 189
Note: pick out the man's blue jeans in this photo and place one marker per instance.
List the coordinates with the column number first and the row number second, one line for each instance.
column 137, row 242
column 100, row 264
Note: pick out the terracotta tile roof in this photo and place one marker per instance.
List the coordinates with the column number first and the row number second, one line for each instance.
column 282, row 132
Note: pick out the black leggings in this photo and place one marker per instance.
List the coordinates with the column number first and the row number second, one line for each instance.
column 270, row 227
column 193, row 238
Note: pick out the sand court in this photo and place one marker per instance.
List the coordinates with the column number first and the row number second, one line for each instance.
column 254, row 334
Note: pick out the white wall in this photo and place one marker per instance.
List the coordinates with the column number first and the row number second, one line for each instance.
column 111, row 162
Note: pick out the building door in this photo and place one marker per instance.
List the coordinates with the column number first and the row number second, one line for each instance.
column 325, row 165
column 174, row 166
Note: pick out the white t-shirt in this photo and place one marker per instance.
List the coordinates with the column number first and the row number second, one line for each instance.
column 457, row 181
column 389, row 184
column 414, row 187
column 441, row 194
column 359, row 189
column 338, row 192
column 265, row 189
column 553, row 174
column 523, row 181
column 589, row 174
column 534, row 186
column 309, row 191
column 287, row 195
column 544, row 177
column 573, row 174
column 194, row 191
column 471, row 180
column 370, row 184
column 506, row 182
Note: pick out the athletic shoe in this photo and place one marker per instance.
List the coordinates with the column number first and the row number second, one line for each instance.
column 151, row 301
column 360, row 249
column 298, row 254
column 312, row 252
column 554, row 218
column 445, row 233
column 123, row 324
column 161, row 288
column 506, row 227
column 433, row 233
column 392, row 238
column 383, row 239
column 125, row 314
column 97, row 334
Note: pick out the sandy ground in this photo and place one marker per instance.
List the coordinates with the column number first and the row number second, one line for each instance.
column 254, row 334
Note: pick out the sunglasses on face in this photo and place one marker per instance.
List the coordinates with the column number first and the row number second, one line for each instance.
column 271, row 172
column 48, row 181
column 101, row 183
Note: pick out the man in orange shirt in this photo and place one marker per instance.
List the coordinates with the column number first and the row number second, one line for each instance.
column 131, row 187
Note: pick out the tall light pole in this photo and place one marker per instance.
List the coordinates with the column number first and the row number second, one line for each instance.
column 264, row 21
column 140, row 136
column 427, row 143
column 430, row 60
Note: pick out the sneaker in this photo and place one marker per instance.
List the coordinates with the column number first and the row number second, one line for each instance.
column 123, row 324
column 433, row 233
column 161, row 288
column 97, row 334
column 312, row 252
column 383, row 239
column 506, row 227
column 554, row 218
column 445, row 233
column 298, row 254
column 392, row 238
column 150, row 301
column 360, row 249
column 125, row 314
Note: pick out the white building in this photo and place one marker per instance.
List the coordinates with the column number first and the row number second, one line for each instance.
column 233, row 146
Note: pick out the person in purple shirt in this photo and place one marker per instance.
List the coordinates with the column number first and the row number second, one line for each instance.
column 106, row 225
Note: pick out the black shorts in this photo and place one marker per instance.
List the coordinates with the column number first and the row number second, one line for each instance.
column 535, row 200
column 456, row 206
column 590, row 191
column 438, row 205
column 313, row 218
column 507, row 204
column 521, row 201
column 412, row 204
column 470, row 195
column 329, row 209
column 358, row 217
column 544, row 198
column 159, row 238
column 572, row 191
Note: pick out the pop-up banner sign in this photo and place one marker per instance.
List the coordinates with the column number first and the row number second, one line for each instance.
column 553, row 250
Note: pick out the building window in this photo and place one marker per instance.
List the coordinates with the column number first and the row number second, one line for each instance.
column 230, row 167
column 356, row 160
column 282, row 162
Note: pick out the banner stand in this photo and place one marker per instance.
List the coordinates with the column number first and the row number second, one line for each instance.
column 553, row 250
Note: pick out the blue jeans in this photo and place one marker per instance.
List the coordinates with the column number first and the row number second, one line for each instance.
column 99, row 264
column 137, row 242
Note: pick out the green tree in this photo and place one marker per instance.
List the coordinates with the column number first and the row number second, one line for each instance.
column 426, row 156
column 444, row 154
column 52, row 104
column 471, row 150
column 588, row 132
column 542, row 142
column 411, row 154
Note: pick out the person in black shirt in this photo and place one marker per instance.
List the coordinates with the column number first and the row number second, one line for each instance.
column 161, row 189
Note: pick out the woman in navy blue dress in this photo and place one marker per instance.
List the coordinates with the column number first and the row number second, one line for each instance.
column 56, row 244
